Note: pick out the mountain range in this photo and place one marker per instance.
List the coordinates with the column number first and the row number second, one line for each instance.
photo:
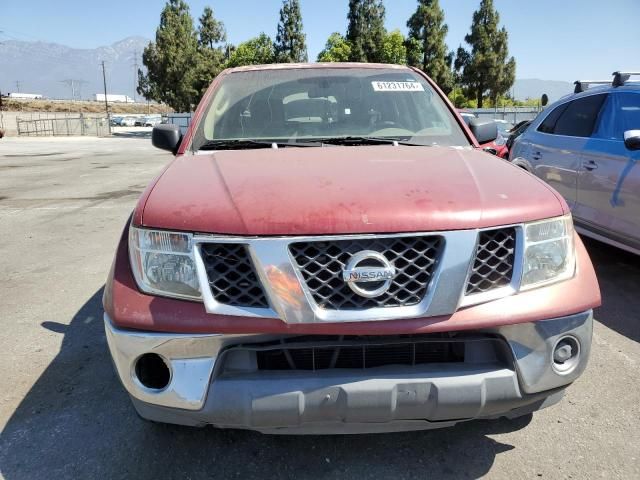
column 48, row 68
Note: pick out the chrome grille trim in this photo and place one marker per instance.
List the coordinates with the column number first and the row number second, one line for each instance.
column 232, row 276
column 291, row 301
column 321, row 264
column 516, row 275
column 494, row 262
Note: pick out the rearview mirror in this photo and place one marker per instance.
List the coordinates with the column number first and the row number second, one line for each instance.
column 485, row 131
column 166, row 137
column 632, row 139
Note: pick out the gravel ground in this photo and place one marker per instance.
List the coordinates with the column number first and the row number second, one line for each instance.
column 63, row 413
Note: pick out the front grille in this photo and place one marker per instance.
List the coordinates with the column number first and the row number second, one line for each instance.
column 231, row 275
column 493, row 264
column 363, row 356
column 321, row 264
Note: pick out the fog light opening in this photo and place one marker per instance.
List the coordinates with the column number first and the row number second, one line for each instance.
column 152, row 371
column 566, row 354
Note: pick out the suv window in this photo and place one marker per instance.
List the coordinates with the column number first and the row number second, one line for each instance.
column 580, row 117
column 629, row 110
column 549, row 123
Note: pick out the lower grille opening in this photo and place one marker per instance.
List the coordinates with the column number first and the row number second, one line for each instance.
column 361, row 352
column 359, row 357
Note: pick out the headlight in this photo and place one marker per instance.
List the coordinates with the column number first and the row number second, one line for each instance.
column 163, row 264
column 549, row 252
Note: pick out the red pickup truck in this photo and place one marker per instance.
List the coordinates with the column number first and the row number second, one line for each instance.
column 330, row 252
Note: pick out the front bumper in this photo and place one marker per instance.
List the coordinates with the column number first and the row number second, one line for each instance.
column 387, row 398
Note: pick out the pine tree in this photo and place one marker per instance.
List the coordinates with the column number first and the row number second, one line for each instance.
column 211, row 31
column 211, row 54
column 426, row 45
column 172, row 60
column 486, row 69
column 290, row 46
column 366, row 30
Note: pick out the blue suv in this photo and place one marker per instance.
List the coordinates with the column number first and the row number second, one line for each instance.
column 587, row 145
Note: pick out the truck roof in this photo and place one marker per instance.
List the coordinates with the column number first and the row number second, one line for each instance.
column 334, row 65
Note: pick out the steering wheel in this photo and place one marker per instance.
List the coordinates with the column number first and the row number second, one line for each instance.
column 392, row 124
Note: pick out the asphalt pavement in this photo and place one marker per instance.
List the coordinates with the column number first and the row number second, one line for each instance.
column 63, row 413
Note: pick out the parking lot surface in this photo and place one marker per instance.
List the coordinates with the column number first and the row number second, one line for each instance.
column 63, row 413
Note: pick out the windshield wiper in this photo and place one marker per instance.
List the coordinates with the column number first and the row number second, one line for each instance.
column 246, row 144
column 364, row 140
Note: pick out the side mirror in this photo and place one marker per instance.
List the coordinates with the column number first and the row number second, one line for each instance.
column 166, row 137
column 485, row 131
column 632, row 139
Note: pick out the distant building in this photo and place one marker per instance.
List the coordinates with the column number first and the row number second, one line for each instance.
column 30, row 96
column 99, row 97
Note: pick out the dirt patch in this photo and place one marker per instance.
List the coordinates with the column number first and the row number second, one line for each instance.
column 23, row 155
column 115, row 195
column 43, row 105
column 68, row 159
column 10, row 167
column 98, row 198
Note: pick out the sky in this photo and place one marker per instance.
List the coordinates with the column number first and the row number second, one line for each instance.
column 550, row 39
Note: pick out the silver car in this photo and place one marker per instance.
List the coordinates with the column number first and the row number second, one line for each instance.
column 586, row 146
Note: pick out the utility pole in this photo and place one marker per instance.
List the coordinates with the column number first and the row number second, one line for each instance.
column 106, row 104
column 18, row 83
column 135, row 74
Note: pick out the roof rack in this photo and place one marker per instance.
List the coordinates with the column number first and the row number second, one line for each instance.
column 582, row 85
column 620, row 78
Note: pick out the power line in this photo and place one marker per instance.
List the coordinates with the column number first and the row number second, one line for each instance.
column 73, row 83
column 80, row 83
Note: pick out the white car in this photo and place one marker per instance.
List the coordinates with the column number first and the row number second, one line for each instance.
column 151, row 121
column 127, row 122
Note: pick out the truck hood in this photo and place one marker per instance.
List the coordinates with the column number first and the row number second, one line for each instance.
column 336, row 190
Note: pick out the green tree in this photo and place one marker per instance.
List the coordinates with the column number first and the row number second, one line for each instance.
column 426, row 45
column 337, row 49
column 394, row 49
column 290, row 45
column 144, row 88
column 211, row 31
column 211, row 52
column 366, row 31
column 172, row 60
column 257, row 51
column 487, row 68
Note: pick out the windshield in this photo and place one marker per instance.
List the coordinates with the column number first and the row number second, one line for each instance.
column 315, row 104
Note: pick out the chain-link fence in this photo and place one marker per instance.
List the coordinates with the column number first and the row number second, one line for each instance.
column 64, row 126
column 510, row 114
column 181, row 119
